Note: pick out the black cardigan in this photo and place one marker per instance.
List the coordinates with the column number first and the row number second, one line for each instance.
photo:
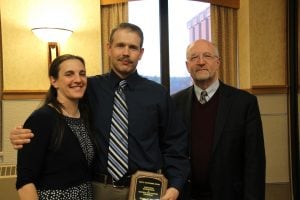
column 46, row 168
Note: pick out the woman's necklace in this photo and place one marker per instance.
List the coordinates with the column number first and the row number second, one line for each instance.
column 75, row 115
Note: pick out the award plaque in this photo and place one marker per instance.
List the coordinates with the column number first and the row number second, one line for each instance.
column 147, row 186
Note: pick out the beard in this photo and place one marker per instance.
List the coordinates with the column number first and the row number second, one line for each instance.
column 202, row 75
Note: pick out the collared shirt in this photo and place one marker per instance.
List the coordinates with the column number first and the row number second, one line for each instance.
column 211, row 90
column 157, row 136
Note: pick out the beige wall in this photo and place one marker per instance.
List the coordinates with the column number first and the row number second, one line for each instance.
column 273, row 108
column 25, row 56
column 262, row 42
column 244, row 44
column 15, row 113
column 262, row 62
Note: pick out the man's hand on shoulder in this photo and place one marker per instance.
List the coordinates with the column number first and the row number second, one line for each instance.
column 19, row 136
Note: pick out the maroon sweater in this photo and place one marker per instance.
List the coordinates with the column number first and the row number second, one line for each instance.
column 202, row 134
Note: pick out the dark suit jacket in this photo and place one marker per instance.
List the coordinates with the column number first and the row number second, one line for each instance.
column 237, row 166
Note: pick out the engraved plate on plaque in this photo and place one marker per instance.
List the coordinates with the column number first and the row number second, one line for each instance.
column 147, row 186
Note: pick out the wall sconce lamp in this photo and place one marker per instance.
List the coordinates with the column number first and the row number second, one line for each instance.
column 53, row 36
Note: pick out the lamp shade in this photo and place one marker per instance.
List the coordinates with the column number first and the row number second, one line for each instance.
column 52, row 34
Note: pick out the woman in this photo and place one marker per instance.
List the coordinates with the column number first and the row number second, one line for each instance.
column 57, row 163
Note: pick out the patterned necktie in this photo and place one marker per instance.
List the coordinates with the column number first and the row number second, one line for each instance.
column 118, row 141
column 202, row 99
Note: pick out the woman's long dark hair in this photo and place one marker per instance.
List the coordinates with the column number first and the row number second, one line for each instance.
column 51, row 99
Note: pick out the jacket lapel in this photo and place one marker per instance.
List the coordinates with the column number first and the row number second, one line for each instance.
column 188, row 108
column 224, row 107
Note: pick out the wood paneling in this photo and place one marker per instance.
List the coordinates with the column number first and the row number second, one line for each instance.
column 225, row 3
column 107, row 2
column 268, row 89
column 23, row 94
column 40, row 94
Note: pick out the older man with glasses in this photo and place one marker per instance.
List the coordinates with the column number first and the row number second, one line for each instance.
column 226, row 145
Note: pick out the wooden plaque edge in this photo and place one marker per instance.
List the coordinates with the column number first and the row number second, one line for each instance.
column 142, row 174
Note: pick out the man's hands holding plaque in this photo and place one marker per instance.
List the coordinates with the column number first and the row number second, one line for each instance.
column 171, row 194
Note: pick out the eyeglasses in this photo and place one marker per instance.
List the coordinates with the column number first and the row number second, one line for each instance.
column 204, row 56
